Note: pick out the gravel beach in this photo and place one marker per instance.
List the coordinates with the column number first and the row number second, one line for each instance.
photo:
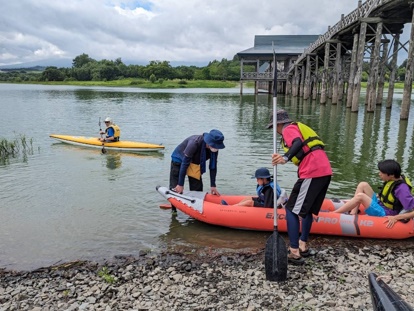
column 335, row 279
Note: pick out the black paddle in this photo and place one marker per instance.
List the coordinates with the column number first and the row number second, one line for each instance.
column 100, row 132
column 276, row 251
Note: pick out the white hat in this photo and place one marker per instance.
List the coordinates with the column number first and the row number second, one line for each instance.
column 108, row 119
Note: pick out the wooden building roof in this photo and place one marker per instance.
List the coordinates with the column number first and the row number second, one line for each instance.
column 284, row 45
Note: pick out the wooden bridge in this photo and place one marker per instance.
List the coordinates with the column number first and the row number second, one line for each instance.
column 331, row 67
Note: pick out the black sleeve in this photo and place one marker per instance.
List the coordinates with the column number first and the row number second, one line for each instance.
column 294, row 149
column 269, row 195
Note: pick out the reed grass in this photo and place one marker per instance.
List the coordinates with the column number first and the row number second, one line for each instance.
column 19, row 147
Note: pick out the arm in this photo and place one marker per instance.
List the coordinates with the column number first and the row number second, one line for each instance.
column 213, row 172
column 269, row 195
column 393, row 219
column 293, row 150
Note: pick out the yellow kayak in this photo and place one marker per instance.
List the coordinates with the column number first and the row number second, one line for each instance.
column 93, row 142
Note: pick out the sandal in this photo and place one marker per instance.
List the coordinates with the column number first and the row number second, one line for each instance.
column 294, row 259
column 307, row 252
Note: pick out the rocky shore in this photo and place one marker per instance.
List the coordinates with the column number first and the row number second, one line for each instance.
column 335, row 279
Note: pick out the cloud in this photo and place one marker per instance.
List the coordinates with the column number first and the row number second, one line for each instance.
column 141, row 31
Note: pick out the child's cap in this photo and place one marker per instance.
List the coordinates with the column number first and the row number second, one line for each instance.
column 262, row 173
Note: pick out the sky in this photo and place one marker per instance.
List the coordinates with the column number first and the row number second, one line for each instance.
column 139, row 31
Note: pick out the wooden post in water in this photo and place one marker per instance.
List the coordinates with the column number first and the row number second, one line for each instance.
column 393, row 70
column 337, row 73
column 295, row 82
column 307, row 87
column 315, row 79
column 373, row 75
column 358, row 72
column 241, row 76
column 408, row 82
column 324, row 86
column 381, row 78
column 302, row 80
column 352, row 71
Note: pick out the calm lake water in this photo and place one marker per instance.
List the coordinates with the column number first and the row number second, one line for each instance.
column 66, row 203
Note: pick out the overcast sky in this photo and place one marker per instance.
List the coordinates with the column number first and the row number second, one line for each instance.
column 191, row 31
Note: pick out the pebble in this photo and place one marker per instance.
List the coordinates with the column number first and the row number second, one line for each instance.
column 334, row 279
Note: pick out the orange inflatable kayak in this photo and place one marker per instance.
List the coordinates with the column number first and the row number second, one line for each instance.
column 208, row 208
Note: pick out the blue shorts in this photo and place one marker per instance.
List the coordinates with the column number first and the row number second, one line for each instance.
column 375, row 209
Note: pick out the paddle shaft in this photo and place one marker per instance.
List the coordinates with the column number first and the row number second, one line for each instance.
column 100, row 132
column 274, row 141
column 275, row 251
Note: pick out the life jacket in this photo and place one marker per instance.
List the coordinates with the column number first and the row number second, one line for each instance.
column 310, row 139
column 387, row 196
column 117, row 131
column 260, row 190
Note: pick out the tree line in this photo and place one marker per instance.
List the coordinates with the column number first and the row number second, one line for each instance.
column 85, row 68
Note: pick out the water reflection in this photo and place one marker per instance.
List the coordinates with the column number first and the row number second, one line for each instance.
column 192, row 234
column 111, row 158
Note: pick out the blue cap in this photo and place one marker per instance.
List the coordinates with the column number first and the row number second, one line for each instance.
column 214, row 139
column 262, row 173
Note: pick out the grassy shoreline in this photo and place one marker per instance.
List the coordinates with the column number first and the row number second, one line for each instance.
column 168, row 84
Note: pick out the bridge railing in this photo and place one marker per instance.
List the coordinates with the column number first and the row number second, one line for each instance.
column 263, row 76
column 362, row 11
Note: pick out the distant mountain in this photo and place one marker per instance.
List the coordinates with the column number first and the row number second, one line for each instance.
column 67, row 63
column 60, row 63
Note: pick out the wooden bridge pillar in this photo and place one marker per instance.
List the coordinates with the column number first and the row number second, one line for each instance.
column 373, row 74
column 324, row 83
column 337, row 74
column 358, row 72
column 394, row 69
column 352, row 69
column 408, row 81
column 315, row 79
column 302, row 80
column 295, row 82
column 381, row 77
column 307, row 86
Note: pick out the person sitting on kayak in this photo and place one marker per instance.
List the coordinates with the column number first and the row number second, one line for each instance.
column 394, row 198
column 264, row 190
column 112, row 132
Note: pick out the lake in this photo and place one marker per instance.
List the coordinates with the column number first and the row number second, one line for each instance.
column 66, row 203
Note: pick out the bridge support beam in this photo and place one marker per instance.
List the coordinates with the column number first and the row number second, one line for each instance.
column 302, row 81
column 359, row 62
column 307, row 86
column 394, row 69
column 324, row 83
column 381, row 78
column 408, row 81
column 315, row 79
column 373, row 75
column 337, row 74
column 352, row 71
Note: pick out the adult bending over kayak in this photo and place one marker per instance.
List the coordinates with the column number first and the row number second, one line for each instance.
column 189, row 158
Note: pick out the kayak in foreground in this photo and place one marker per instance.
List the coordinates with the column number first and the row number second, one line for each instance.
column 122, row 145
column 208, row 208
column 384, row 298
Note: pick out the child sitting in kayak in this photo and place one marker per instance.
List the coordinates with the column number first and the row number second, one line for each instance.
column 264, row 190
column 394, row 198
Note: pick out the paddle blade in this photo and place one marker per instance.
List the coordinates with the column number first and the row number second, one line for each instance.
column 166, row 206
column 103, row 150
column 276, row 260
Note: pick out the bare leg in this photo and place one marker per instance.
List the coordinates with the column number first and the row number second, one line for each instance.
column 363, row 195
column 248, row 201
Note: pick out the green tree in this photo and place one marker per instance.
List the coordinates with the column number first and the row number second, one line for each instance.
column 81, row 60
column 52, row 74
